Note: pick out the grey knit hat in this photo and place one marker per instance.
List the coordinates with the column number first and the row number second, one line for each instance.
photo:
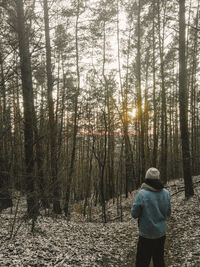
column 152, row 173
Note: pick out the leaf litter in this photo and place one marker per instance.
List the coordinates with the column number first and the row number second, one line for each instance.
column 59, row 242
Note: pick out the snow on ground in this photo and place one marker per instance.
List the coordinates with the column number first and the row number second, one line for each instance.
column 58, row 242
column 184, row 230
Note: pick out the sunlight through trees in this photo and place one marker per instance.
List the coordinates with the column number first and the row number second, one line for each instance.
column 93, row 93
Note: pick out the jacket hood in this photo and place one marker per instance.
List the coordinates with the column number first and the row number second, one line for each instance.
column 154, row 185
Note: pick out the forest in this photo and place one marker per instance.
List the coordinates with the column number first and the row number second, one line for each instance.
column 92, row 94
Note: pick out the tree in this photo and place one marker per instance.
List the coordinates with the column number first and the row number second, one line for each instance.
column 27, row 88
column 130, row 182
column 155, row 130
column 183, row 104
column 139, row 97
column 163, row 163
column 5, row 125
column 52, row 122
column 75, row 111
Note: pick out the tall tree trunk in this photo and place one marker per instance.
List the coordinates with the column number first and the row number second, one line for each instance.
column 163, row 162
column 18, row 139
column 155, row 135
column 89, row 158
column 75, row 116
column 101, row 157
column 40, row 156
column 103, row 151
column 146, row 114
column 5, row 197
column 52, row 122
column 130, row 182
column 27, row 88
column 139, row 93
column 193, row 97
column 183, row 104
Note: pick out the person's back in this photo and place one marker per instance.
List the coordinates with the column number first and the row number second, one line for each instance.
column 151, row 207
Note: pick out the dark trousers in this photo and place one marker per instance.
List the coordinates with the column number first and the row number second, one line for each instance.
column 150, row 248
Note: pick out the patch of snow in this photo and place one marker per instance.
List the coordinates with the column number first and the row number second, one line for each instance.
column 58, row 242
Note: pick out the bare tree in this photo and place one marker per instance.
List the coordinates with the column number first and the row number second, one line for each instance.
column 75, row 115
column 183, row 103
column 52, row 122
column 27, row 88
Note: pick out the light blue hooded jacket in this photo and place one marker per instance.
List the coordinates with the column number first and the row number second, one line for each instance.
column 151, row 207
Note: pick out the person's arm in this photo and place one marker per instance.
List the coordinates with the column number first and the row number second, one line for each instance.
column 169, row 206
column 136, row 209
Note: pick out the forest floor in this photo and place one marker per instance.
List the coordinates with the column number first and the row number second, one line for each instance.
column 58, row 242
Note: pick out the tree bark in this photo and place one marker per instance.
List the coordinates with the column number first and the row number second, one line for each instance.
column 155, row 135
column 5, row 196
column 130, row 180
column 140, row 109
column 183, row 104
column 75, row 117
column 27, row 88
column 163, row 163
column 52, row 123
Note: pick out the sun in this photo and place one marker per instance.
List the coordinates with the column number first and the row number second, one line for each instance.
column 133, row 112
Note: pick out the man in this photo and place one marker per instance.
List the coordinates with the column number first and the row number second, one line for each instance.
column 151, row 207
